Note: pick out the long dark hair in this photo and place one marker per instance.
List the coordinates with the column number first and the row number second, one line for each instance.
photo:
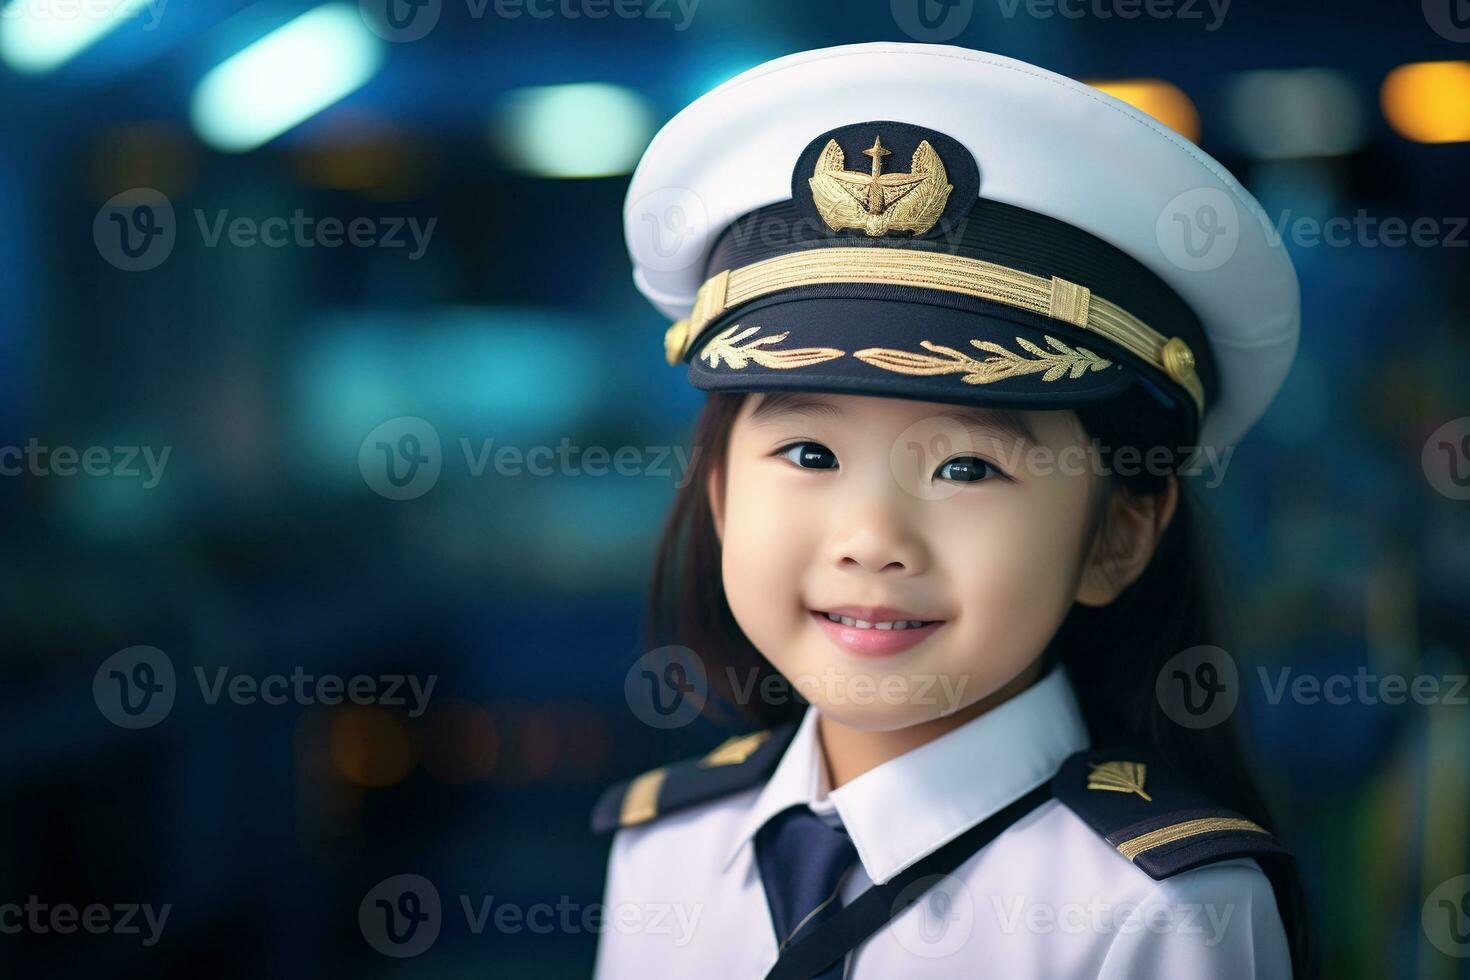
column 1112, row 653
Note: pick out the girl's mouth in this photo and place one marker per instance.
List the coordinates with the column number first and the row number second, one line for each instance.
column 874, row 637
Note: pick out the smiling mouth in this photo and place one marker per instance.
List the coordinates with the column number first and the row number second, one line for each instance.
column 893, row 624
column 874, row 631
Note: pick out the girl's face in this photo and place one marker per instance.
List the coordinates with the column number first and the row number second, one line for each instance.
column 950, row 542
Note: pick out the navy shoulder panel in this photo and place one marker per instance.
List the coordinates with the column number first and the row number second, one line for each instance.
column 736, row 764
column 1153, row 815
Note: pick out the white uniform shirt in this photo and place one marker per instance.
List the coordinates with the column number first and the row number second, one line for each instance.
column 1047, row 898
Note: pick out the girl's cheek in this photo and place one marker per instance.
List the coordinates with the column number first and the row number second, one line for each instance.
column 1014, row 576
column 765, row 553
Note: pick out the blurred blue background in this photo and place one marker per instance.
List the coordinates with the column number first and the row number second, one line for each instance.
column 502, row 136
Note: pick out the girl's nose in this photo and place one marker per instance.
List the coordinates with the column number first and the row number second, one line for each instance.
column 874, row 537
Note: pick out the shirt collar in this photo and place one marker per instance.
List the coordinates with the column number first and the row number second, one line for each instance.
column 800, row 778
column 911, row 805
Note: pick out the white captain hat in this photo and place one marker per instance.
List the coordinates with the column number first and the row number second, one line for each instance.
column 931, row 222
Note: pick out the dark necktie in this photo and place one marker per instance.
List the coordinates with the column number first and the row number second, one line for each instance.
column 803, row 863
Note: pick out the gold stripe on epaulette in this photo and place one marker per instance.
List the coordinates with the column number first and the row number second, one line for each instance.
column 735, row 750
column 1052, row 297
column 640, row 803
column 1133, row 847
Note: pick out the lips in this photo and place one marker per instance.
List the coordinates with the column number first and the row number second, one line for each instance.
column 875, row 631
column 876, row 613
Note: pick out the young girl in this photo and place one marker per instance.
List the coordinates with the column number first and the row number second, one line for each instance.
column 937, row 546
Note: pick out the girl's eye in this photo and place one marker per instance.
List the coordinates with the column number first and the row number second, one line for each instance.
column 967, row 469
column 810, row 455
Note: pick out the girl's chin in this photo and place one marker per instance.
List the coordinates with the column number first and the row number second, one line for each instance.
column 877, row 717
column 873, row 694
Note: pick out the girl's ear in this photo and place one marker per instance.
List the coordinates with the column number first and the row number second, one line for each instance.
column 1125, row 543
column 714, row 489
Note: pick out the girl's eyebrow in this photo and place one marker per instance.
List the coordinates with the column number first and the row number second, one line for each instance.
column 989, row 421
column 777, row 403
column 986, row 421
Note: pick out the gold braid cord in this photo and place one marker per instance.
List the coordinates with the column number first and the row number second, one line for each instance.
column 1058, row 298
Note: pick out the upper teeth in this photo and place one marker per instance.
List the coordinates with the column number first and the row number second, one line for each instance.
column 863, row 624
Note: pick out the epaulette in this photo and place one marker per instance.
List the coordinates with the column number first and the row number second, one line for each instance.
column 737, row 763
column 1153, row 815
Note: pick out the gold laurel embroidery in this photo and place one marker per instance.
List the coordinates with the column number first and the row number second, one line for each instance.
column 1002, row 364
column 1119, row 777
column 726, row 346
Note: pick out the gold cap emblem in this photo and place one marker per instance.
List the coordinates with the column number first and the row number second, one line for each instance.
column 877, row 202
